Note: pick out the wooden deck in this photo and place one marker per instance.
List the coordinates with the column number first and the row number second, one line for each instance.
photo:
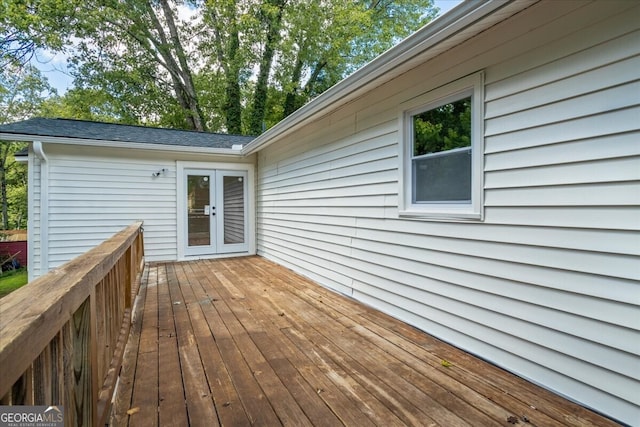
column 245, row 341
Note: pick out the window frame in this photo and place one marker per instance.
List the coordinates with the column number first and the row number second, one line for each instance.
column 472, row 85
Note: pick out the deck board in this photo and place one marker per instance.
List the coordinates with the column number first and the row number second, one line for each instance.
column 172, row 409
column 244, row 341
column 145, row 382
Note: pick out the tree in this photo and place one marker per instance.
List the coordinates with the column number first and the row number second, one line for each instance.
column 118, row 42
column 237, row 66
column 443, row 128
column 13, row 187
column 133, row 50
column 22, row 92
column 223, row 22
column 277, row 55
column 270, row 15
column 26, row 26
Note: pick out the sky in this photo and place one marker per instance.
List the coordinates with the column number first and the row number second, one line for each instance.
column 446, row 5
column 54, row 66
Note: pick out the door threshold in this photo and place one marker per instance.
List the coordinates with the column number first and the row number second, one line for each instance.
column 215, row 256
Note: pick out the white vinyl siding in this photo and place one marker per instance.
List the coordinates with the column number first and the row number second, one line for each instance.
column 90, row 199
column 94, row 193
column 547, row 286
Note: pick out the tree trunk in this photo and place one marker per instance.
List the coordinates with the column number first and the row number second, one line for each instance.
column 190, row 94
column 290, row 104
column 310, row 86
column 260, row 94
column 232, row 105
column 178, row 69
column 4, row 153
column 227, row 54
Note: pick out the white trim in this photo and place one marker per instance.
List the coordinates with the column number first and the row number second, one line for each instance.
column 233, row 152
column 473, row 85
column 38, row 149
column 181, row 206
column 215, row 256
column 219, row 193
column 30, row 215
column 181, row 196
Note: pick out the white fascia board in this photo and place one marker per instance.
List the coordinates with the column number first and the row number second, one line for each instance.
column 378, row 70
column 121, row 144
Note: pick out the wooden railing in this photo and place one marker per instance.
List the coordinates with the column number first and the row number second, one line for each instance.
column 63, row 335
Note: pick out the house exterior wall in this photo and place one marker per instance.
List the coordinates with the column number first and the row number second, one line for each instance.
column 95, row 192
column 547, row 284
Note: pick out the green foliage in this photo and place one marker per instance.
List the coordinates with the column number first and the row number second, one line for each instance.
column 230, row 64
column 22, row 90
column 26, row 25
column 12, row 280
column 443, row 128
column 22, row 93
column 15, row 177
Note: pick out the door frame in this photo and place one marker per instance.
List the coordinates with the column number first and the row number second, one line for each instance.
column 181, row 201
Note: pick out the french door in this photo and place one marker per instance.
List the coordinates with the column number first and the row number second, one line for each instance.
column 216, row 212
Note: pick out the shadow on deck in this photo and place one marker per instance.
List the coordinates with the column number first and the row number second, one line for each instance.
column 245, row 341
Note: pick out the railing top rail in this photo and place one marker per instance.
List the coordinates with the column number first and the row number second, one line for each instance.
column 32, row 315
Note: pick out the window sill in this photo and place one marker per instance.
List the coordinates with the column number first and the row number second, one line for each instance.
column 437, row 215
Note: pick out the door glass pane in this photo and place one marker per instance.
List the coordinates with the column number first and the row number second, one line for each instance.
column 442, row 154
column 198, row 205
column 233, row 197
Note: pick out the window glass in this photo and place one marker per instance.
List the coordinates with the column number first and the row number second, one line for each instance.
column 234, row 209
column 443, row 178
column 198, row 219
column 441, row 163
column 442, row 128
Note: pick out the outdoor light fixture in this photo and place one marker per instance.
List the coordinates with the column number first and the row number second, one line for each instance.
column 162, row 171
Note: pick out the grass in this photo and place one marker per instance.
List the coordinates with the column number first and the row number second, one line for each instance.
column 12, row 280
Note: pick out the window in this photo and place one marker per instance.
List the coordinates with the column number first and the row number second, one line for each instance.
column 441, row 142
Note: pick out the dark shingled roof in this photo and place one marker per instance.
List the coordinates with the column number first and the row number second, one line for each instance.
column 68, row 128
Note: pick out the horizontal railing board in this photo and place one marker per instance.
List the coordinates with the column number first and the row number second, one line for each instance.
column 34, row 314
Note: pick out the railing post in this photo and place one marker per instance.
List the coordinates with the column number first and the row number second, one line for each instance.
column 80, row 384
column 93, row 357
column 129, row 274
column 21, row 390
column 43, row 380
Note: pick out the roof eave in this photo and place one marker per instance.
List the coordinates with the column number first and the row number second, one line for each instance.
column 459, row 18
column 121, row 144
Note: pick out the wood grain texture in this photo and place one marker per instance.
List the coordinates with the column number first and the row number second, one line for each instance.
column 63, row 335
column 249, row 342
